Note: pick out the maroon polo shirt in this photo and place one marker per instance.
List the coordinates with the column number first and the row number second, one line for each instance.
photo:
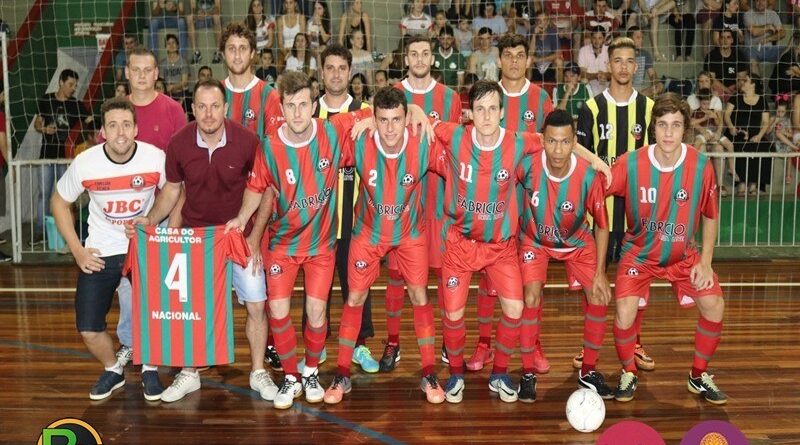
column 214, row 185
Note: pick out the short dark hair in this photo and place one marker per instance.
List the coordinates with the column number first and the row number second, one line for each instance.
column 205, row 67
column 338, row 50
column 68, row 74
column 140, row 51
column 172, row 36
column 632, row 30
column 385, row 74
column 620, row 43
column 389, row 97
column 238, row 29
column 116, row 103
column 485, row 30
column 416, row 39
column 559, row 118
column 208, row 83
column 512, row 41
column 599, row 29
column 704, row 94
column 483, row 87
column 447, row 30
column 292, row 82
column 671, row 103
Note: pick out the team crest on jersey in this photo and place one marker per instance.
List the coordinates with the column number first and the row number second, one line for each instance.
column 275, row 270
column 636, row 131
column 528, row 117
column 502, row 176
column 323, row 164
column 681, row 195
column 528, row 256
column 434, row 115
column 452, row 282
column 408, row 180
column 249, row 114
column 360, row 265
column 633, row 272
column 137, row 182
column 567, row 207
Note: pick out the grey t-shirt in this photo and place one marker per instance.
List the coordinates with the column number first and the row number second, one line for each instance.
column 644, row 61
column 754, row 18
column 172, row 71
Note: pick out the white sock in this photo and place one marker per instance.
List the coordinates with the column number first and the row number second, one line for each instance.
column 257, row 371
column 116, row 368
column 149, row 368
column 309, row 371
column 191, row 373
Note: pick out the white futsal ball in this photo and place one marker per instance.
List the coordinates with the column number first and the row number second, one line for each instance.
column 585, row 410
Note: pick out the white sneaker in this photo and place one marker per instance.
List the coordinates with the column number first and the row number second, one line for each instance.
column 290, row 390
column 260, row 381
column 184, row 383
column 312, row 388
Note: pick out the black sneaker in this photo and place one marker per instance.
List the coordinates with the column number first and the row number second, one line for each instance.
column 152, row 386
column 391, row 355
column 108, row 382
column 197, row 58
column 527, row 388
column 705, row 385
column 595, row 381
column 626, row 387
column 272, row 359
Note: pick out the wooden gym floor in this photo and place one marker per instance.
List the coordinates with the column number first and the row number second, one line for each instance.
column 46, row 373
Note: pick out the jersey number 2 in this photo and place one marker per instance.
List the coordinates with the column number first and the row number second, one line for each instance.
column 176, row 277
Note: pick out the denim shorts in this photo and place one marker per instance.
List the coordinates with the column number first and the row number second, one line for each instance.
column 249, row 288
column 95, row 293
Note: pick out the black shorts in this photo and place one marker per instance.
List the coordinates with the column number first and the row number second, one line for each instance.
column 95, row 293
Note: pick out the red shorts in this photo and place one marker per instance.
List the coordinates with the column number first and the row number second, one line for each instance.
column 282, row 271
column 580, row 264
column 411, row 258
column 464, row 256
column 433, row 231
column 633, row 280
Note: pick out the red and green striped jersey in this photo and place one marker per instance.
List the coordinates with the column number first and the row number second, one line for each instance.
column 556, row 208
column 389, row 206
column 257, row 107
column 526, row 110
column 181, row 278
column 440, row 103
column 663, row 205
column 480, row 181
column 306, row 176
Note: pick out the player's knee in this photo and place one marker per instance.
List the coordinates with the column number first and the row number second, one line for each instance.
column 455, row 315
column 357, row 298
column 90, row 336
column 626, row 311
column 279, row 308
column 711, row 308
column 315, row 311
column 533, row 295
column 417, row 295
column 255, row 311
column 511, row 308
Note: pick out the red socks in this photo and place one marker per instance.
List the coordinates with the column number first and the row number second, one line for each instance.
column 529, row 335
column 348, row 333
column 315, row 341
column 706, row 339
column 485, row 311
column 455, row 335
column 625, row 342
column 426, row 336
column 286, row 343
column 594, row 328
column 637, row 325
column 506, row 341
column 395, row 295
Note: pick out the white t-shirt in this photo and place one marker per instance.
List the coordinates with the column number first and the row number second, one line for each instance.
column 416, row 26
column 117, row 192
column 694, row 103
column 295, row 64
column 594, row 64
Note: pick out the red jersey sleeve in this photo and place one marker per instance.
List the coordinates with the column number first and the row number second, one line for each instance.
column 443, row 131
column 236, row 247
column 273, row 114
column 437, row 159
column 708, row 197
column 596, row 201
column 533, row 142
column 260, row 177
column 455, row 110
column 619, row 177
column 343, row 123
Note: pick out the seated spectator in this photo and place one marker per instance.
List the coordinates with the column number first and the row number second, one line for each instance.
column 545, row 54
column 517, row 24
column 781, row 134
column 707, row 13
column 160, row 85
column 121, row 59
column 706, row 135
column 381, row 80
column 315, row 89
column 168, row 14
column 625, row 11
column 704, row 81
column 266, row 70
column 571, row 95
column 645, row 79
column 395, row 64
column 355, row 18
column 593, row 60
column 301, row 58
column 786, row 75
column 122, row 89
column 683, row 25
column 466, row 113
column 439, row 23
column 460, row 10
column 724, row 63
column 567, row 16
column 747, row 120
column 449, row 61
column 416, row 23
column 730, row 18
column 657, row 11
column 319, row 27
column 359, row 89
column 362, row 60
column 488, row 19
column 464, row 37
column 601, row 17
column 175, row 71
column 204, row 14
column 261, row 25
column 290, row 24
column 763, row 31
column 204, row 73
column 485, row 60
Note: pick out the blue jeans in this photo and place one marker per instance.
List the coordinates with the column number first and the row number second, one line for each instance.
column 124, row 293
column 766, row 53
column 49, row 175
column 157, row 23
